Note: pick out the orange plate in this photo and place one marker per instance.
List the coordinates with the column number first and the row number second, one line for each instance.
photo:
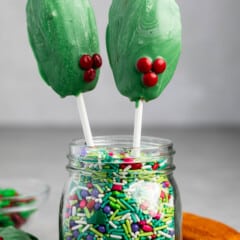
column 200, row 228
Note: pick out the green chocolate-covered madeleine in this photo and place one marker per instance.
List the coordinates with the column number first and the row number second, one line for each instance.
column 64, row 39
column 144, row 44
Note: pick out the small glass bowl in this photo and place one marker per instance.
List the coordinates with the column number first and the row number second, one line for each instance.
column 15, row 209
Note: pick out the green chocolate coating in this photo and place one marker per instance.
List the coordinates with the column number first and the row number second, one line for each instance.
column 60, row 32
column 142, row 28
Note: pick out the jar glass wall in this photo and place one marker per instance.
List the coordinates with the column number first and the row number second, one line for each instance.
column 117, row 192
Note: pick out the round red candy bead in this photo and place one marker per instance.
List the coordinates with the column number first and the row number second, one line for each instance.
column 89, row 75
column 86, row 62
column 155, row 166
column 83, row 203
column 142, row 222
column 154, row 236
column 159, row 65
column 89, row 185
column 144, row 65
column 162, row 195
column 128, row 160
column 90, row 204
column 117, row 188
column 136, row 166
column 147, row 228
column 97, row 61
column 123, row 166
column 150, row 79
column 74, row 197
column 157, row 216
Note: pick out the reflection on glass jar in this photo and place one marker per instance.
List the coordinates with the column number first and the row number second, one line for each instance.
column 117, row 192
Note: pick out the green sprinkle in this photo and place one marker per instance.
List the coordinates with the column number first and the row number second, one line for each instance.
column 128, row 226
column 114, row 214
column 125, row 229
column 123, row 212
column 133, row 218
column 113, row 199
column 127, row 205
column 146, row 234
column 122, row 206
column 160, row 228
column 99, row 188
column 96, row 232
column 87, row 212
column 115, row 206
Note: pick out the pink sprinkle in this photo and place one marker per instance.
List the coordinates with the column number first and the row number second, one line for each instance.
column 144, row 206
column 166, row 184
column 117, row 188
column 89, row 185
column 162, row 195
column 73, row 197
column 68, row 205
column 152, row 213
column 128, row 160
column 157, row 216
column 147, row 228
column 110, row 154
column 142, row 222
column 82, row 203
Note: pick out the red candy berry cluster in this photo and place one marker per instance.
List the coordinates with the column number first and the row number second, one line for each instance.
column 151, row 70
column 90, row 64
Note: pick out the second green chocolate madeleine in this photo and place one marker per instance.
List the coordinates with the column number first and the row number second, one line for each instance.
column 144, row 44
column 64, row 39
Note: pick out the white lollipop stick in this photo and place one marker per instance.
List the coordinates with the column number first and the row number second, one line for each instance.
column 84, row 120
column 138, row 127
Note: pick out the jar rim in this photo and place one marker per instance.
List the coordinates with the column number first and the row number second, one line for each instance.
column 151, row 147
column 155, row 141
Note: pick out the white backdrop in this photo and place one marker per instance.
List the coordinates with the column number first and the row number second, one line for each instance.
column 204, row 91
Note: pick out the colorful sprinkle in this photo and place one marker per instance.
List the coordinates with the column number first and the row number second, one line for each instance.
column 123, row 200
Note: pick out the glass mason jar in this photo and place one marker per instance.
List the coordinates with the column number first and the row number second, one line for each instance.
column 117, row 192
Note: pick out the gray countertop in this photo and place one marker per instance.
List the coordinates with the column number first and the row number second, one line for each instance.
column 207, row 160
